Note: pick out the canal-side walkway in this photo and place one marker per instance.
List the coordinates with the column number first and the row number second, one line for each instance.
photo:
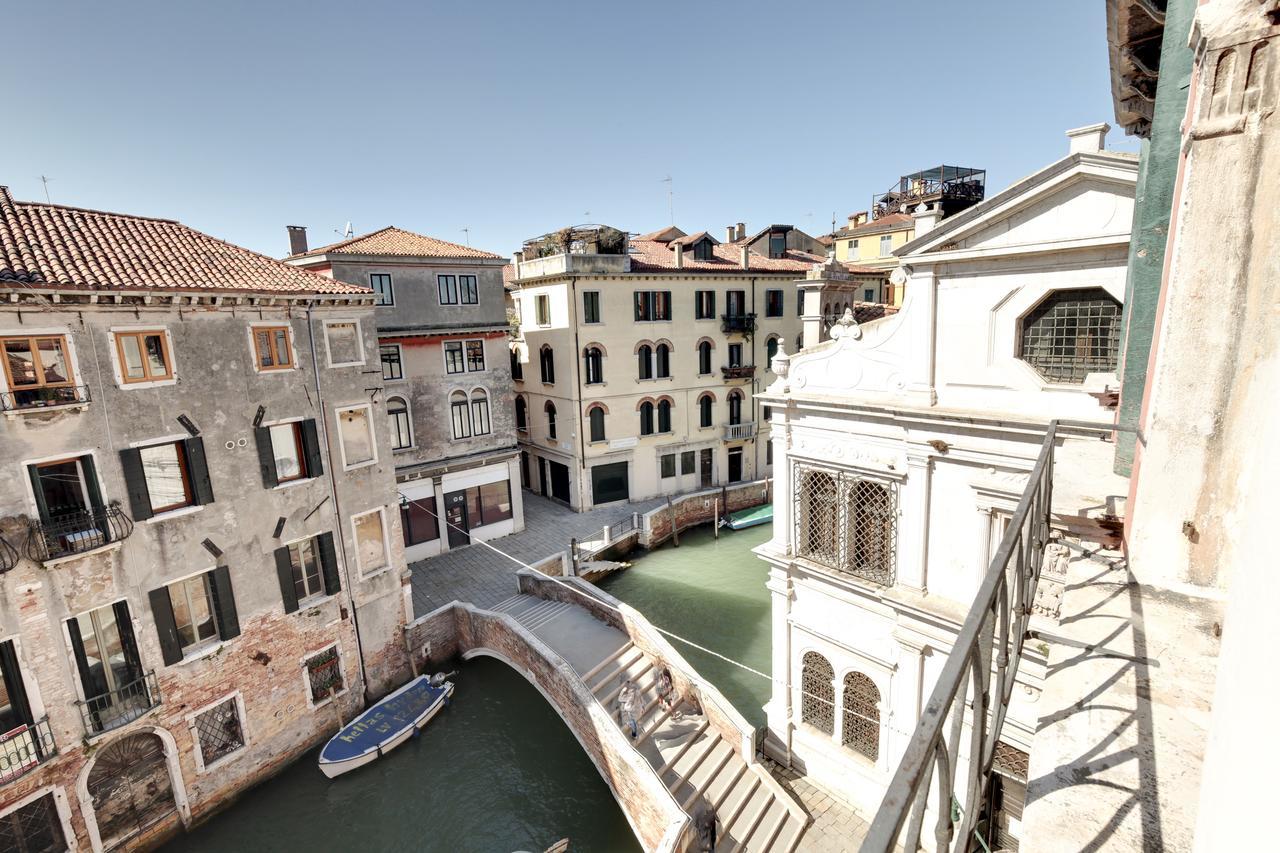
column 477, row 575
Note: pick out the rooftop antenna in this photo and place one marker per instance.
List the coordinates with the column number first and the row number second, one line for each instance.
column 45, row 181
column 346, row 231
column 671, row 200
column 467, row 235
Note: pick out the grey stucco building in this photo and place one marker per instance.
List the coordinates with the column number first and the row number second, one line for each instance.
column 443, row 334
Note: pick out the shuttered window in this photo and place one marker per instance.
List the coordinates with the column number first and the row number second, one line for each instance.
column 288, row 452
column 164, row 477
column 307, row 570
column 194, row 612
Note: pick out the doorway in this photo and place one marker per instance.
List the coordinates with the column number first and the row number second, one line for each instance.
column 609, row 483
column 130, row 788
column 542, row 477
column 704, row 467
column 735, row 464
column 455, row 516
column 559, row 481
column 524, row 469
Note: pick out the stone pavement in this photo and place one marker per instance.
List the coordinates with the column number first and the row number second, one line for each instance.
column 477, row 575
column 836, row 828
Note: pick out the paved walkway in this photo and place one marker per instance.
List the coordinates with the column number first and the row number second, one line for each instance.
column 477, row 575
column 836, row 827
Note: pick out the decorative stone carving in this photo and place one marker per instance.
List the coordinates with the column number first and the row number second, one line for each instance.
column 846, row 327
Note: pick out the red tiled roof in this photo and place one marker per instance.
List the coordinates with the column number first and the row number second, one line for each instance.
column 75, row 248
column 662, row 235
column 648, row 255
column 397, row 241
column 690, row 239
column 890, row 222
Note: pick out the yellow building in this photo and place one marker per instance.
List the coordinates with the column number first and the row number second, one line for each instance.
column 871, row 243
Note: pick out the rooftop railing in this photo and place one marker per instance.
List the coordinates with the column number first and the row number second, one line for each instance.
column 76, row 532
column 120, row 706
column 24, row 748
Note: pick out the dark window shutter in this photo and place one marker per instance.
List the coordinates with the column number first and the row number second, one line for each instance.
column 135, row 483
column 13, row 683
column 284, row 571
column 38, row 490
column 328, row 563
column 128, row 643
column 90, row 686
column 224, row 603
column 266, row 457
column 201, row 486
column 311, row 447
column 91, row 482
column 166, row 628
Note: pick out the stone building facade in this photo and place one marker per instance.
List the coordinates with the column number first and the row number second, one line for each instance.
column 442, row 333
column 202, row 571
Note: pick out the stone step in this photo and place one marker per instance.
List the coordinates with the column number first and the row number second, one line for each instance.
column 608, row 699
column 544, row 616
column 693, row 759
column 595, row 670
column 717, row 793
column 746, row 816
column 683, row 748
column 768, row 829
column 624, row 662
column 792, row 841
column 706, row 775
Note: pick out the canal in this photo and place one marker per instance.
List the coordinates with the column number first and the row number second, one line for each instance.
column 499, row 771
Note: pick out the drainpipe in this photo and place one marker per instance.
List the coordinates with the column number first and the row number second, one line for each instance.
column 755, row 386
column 577, row 372
column 337, row 511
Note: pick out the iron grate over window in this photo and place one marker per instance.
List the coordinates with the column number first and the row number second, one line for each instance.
column 860, row 728
column 35, row 827
column 324, row 671
column 1010, row 761
column 1071, row 334
column 219, row 731
column 846, row 521
column 817, row 694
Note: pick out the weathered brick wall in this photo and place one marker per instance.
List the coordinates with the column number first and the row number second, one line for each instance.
column 433, row 639
column 556, row 566
column 700, row 508
column 530, row 583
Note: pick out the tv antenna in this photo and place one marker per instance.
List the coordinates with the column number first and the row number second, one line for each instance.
column 671, row 199
column 45, row 181
column 466, row 236
column 346, row 231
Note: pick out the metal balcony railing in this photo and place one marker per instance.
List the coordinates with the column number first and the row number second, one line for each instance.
column 739, row 372
column 76, row 532
column 43, row 398
column 741, row 323
column 120, row 706
column 8, row 555
column 24, row 748
column 989, row 642
column 737, row 432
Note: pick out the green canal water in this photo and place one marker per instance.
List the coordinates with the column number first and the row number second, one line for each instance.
column 498, row 771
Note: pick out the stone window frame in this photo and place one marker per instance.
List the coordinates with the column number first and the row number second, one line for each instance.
column 892, row 481
column 364, row 573
column 373, row 435
column 117, row 364
column 408, row 421
column 303, row 662
column 1043, row 304
column 844, row 661
column 328, row 344
column 61, row 806
column 264, row 325
column 198, row 752
column 398, row 361
column 69, row 349
column 378, row 295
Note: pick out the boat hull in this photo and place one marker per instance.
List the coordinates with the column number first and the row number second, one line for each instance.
column 338, row 756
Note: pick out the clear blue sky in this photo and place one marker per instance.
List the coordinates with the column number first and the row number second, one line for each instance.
column 516, row 118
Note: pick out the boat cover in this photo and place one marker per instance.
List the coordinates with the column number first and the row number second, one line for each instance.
column 383, row 721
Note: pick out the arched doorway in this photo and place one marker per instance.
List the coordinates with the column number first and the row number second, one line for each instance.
column 130, row 788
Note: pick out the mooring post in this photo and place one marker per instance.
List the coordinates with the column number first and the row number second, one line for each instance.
column 716, row 523
column 675, row 534
column 573, row 556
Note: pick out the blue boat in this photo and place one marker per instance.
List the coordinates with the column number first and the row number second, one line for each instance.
column 385, row 725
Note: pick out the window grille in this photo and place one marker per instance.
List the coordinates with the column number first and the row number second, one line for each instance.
column 846, row 522
column 860, row 729
column 817, row 694
column 1071, row 334
column 35, row 826
column 324, row 672
column 219, row 732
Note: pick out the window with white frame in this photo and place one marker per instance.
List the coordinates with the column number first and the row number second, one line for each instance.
column 305, row 569
column 342, row 338
column 464, row 356
column 447, row 288
column 453, row 358
column 479, row 413
column 851, row 250
column 372, row 553
column 380, row 283
column 219, row 731
column 459, row 414
column 392, row 364
column 475, row 356
column 817, row 693
column 886, row 245
column 542, row 309
column 468, row 290
column 34, row 826
column 355, row 435
column 194, row 611
column 860, row 725
column 401, row 432
column 846, row 521
column 323, row 671
column 591, row 306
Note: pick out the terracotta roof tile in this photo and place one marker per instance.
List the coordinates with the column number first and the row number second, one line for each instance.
column 891, row 222
column 74, row 248
column 397, row 241
column 648, row 255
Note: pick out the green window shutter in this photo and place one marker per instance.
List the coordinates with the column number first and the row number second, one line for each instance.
column 36, row 489
column 135, row 483
column 166, row 628
column 128, row 643
column 91, row 482
column 284, row 571
column 201, row 486
column 328, row 563
column 16, row 690
column 224, row 603
column 266, row 457
column 311, row 447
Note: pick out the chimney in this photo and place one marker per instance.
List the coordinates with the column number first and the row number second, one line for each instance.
column 927, row 217
column 679, row 247
column 297, row 239
column 746, row 258
column 1088, row 140
column 742, row 230
column 728, row 234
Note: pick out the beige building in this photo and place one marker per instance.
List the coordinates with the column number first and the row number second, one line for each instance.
column 639, row 357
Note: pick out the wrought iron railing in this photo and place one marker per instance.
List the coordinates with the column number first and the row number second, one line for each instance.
column 740, row 323
column 988, row 646
column 8, row 555
column 737, row 432
column 746, row 371
column 120, row 706
column 24, row 748
column 43, row 398
column 76, row 532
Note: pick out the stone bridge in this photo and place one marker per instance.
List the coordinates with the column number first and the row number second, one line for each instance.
column 577, row 645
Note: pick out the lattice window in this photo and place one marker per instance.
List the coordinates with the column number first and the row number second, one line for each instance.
column 1010, row 761
column 1071, row 334
column 35, row 828
column 846, row 522
column 860, row 728
column 324, row 673
column 219, row 731
column 817, row 693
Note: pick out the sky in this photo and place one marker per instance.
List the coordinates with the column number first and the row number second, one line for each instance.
column 491, row 122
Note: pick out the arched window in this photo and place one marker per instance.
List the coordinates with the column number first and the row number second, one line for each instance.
column 479, row 413
column 459, row 415
column 664, row 416
column 644, row 361
column 860, row 728
column 1071, row 334
column 551, row 419
column 663, row 354
column 401, row 434
column 547, row 360
column 770, row 350
column 593, row 365
column 817, row 694
column 646, row 418
column 735, row 407
column 595, row 416
column 522, row 415
column 704, row 410
column 704, row 358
